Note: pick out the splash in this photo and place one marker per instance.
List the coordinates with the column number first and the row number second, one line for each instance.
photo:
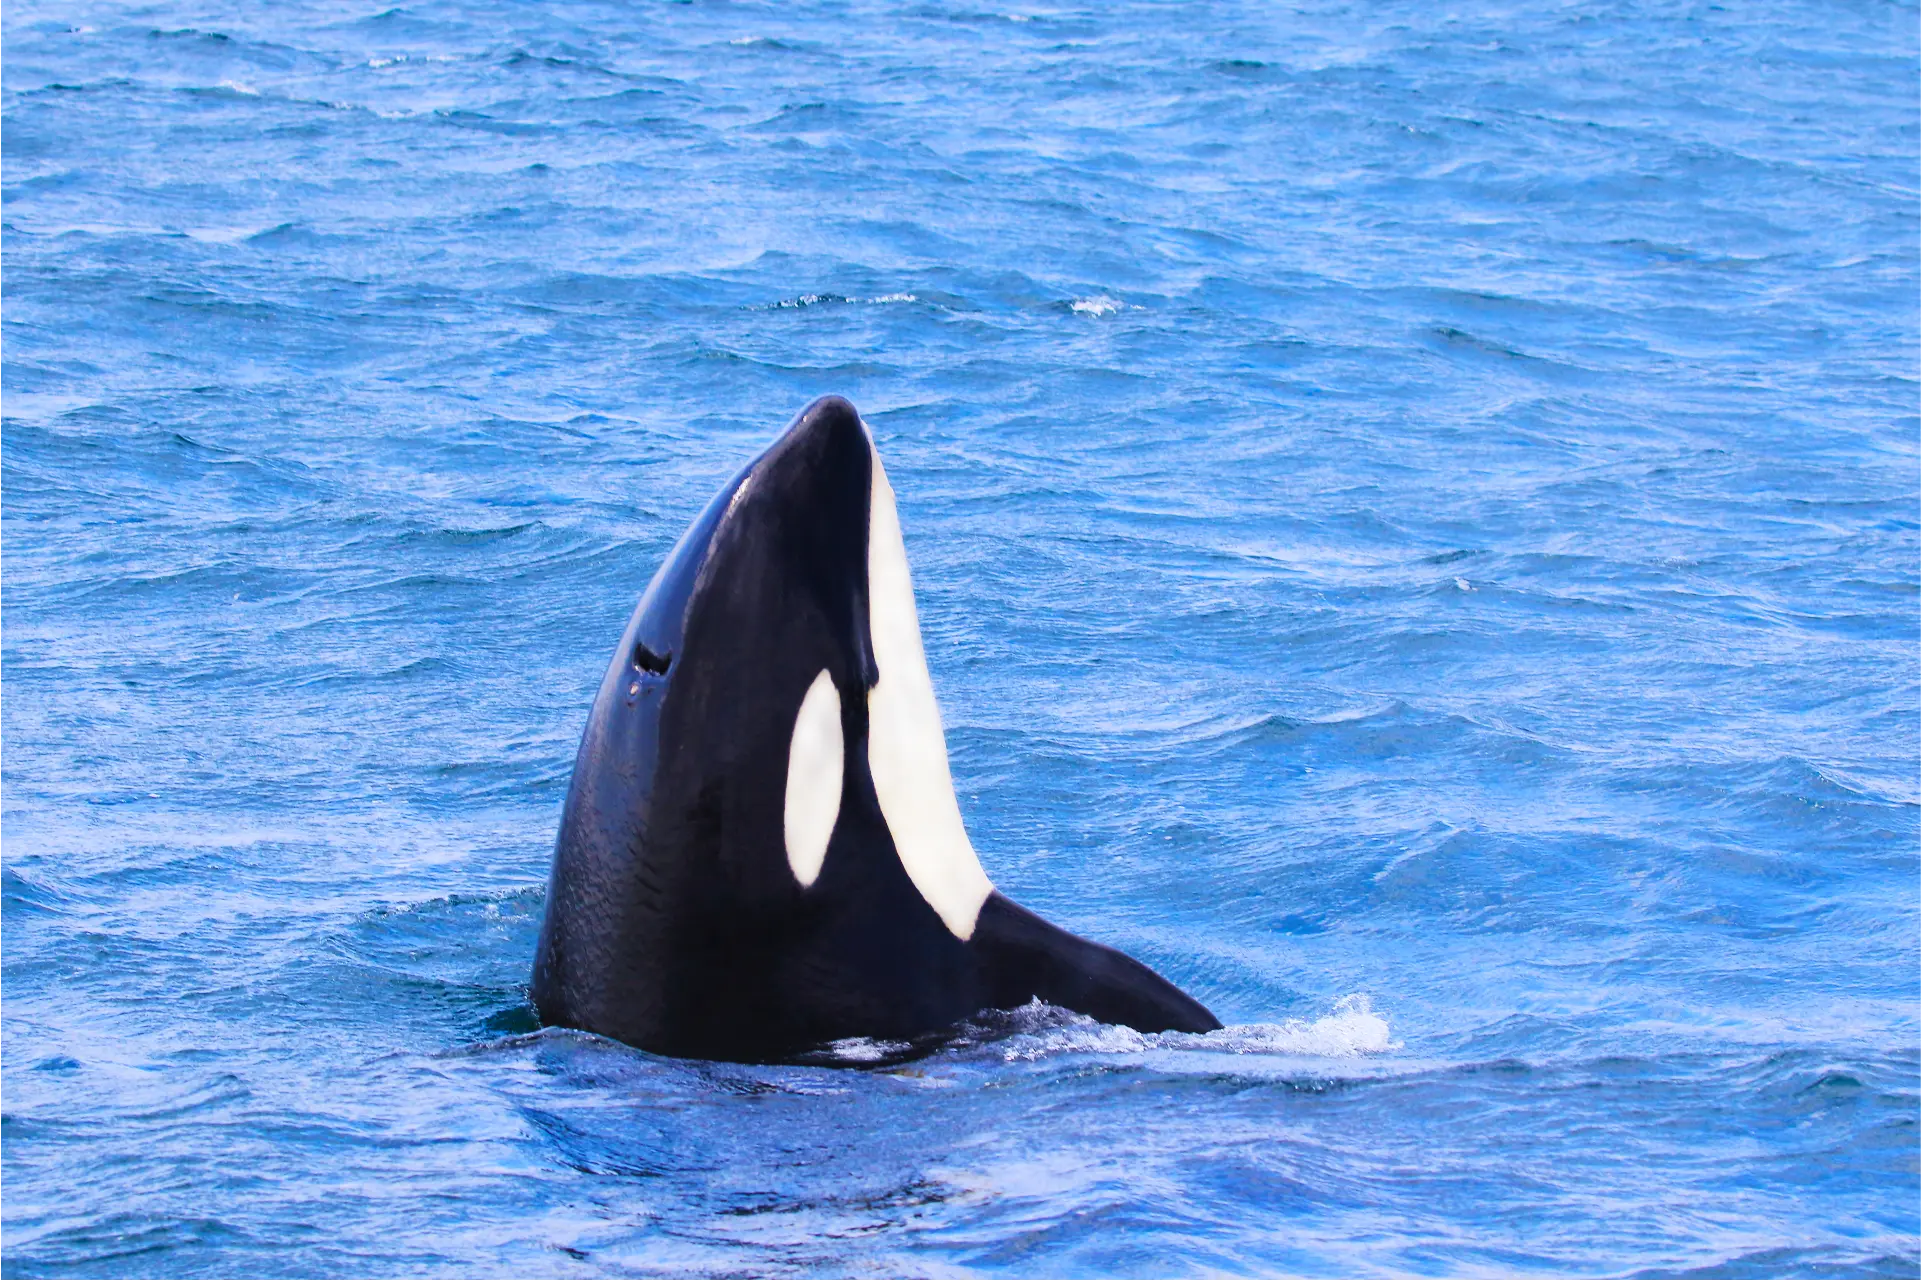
column 1351, row 1029
column 862, row 1049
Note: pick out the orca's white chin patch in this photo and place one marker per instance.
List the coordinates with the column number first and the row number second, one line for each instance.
column 906, row 747
column 815, row 760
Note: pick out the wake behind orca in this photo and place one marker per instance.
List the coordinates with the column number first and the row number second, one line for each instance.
column 761, row 851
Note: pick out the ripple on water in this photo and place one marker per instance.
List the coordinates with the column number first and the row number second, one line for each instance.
column 1413, row 521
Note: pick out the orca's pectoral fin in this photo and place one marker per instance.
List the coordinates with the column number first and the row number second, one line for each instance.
column 1023, row 957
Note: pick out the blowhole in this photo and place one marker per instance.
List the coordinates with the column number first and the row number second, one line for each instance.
column 648, row 661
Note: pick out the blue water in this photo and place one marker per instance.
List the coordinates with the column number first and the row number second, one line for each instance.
column 1415, row 515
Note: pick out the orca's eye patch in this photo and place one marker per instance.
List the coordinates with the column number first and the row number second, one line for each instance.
column 648, row 661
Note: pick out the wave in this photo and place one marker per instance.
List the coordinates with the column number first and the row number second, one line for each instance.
column 1037, row 1031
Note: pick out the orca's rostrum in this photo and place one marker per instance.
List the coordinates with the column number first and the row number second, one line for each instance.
column 761, row 851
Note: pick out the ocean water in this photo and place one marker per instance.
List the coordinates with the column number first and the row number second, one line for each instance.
column 1415, row 516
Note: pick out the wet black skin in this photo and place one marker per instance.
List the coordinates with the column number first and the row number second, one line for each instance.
column 674, row 922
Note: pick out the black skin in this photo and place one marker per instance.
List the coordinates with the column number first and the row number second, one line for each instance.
column 674, row 922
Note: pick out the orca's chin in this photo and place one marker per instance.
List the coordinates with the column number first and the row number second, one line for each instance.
column 761, row 853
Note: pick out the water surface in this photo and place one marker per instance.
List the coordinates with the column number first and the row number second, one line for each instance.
column 1415, row 516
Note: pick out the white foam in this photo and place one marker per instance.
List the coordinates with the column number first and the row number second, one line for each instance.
column 1100, row 305
column 228, row 235
column 1350, row 1030
column 34, row 406
column 862, row 1049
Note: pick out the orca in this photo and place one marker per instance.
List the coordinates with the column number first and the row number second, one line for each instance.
column 761, row 852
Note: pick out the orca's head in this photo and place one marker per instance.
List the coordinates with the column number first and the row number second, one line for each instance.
column 772, row 682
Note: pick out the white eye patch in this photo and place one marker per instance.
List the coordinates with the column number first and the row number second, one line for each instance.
column 815, row 760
